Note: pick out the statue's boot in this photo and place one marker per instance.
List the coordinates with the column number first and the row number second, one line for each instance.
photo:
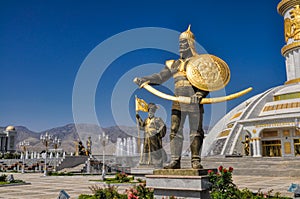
column 176, row 149
column 196, row 144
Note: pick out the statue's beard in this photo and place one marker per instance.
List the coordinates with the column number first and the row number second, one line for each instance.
column 185, row 53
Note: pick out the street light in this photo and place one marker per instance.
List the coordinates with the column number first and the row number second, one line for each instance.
column 103, row 140
column 56, row 144
column 23, row 145
column 46, row 140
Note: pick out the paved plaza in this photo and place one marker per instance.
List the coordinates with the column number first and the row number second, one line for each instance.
column 49, row 187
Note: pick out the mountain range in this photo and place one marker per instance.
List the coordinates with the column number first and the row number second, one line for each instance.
column 74, row 132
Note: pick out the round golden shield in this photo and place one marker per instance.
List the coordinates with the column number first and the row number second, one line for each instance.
column 207, row 72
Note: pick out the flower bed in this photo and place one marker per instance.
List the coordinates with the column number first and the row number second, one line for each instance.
column 111, row 192
column 9, row 180
column 222, row 187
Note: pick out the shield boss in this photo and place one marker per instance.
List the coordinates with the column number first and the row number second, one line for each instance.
column 207, row 72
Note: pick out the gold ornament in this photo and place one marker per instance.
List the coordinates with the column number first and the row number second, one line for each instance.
column 292, row 25
column 187, row 34
column 207, row 72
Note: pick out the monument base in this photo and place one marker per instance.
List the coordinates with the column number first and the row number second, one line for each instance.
column 181, row 183
column 144, row 169
column 141, row 170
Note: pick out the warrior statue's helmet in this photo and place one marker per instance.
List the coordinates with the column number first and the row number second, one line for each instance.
column 187, row 41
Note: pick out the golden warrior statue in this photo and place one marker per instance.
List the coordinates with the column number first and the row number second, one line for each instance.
column 194, row 110
column 88, row 150
column 155, row 130
column 247, row 145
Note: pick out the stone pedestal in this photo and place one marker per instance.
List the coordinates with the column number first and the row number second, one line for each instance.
column 141, row 171
column 181, row 183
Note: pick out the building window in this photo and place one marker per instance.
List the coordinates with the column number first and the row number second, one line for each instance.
column 286, row 133
column 297, row 147
column 268, row 134
column 297, row 133
column 271, row 148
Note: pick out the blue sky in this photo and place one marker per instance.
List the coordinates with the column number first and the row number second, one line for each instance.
column 43, row 45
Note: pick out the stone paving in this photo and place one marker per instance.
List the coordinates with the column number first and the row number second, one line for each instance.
column 49, row 187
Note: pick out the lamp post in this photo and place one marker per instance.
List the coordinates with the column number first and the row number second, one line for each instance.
column 103, row 140
column 23, row 145
column 46, row 140
column 56, row 144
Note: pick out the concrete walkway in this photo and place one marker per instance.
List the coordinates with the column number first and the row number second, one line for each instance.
column 49, row 187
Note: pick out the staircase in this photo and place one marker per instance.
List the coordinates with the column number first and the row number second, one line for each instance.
column 71, row 161
column 258, row 166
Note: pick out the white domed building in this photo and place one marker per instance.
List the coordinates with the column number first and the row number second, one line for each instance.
column 8, row 139
column 270, row 119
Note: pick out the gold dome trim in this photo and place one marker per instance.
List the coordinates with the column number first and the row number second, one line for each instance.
column 10, row 128
column 284, row 5
column 289, row 47
column 292, row 81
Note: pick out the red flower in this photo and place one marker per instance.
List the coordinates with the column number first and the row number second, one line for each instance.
column 132, row 196
column 230, row 169
column 220, row 168
column 210, row 171
column 225, row 170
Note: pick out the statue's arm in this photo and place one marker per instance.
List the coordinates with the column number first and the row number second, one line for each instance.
column 157, row 78
column 140, row 122
column 162, row 129
column 199, row 94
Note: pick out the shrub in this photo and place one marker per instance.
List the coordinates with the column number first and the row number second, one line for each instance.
column 53, row 173
column 3, row 178
column 222, row 187
column 140, row 191
column 109, row 192
column 222, row 184
column 122, row 177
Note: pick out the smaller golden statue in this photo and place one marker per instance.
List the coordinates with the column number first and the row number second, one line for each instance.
column 155, row 129
column 88, row 146
column 247, row 145
column 80, row 149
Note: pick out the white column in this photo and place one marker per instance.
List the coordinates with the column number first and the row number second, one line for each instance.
column 254, row 148
column 0, row 143
column 8, row 143
column 258, row 144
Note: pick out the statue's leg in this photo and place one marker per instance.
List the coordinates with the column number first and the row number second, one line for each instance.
column 147, row 154
column 156, row 151
column 176, row 139
column 196, row 138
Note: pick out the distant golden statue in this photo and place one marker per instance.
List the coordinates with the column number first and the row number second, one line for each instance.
column 247, row 145
column 88, row 146
column 80, row 149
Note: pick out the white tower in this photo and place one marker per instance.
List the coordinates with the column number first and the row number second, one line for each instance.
column 290, row 10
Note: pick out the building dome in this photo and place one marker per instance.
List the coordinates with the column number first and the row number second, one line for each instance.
column 269, row 121
column 10, row 128
column 267, row 118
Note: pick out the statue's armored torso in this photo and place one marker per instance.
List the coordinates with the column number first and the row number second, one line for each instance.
column 183, row 87
column 153, row 126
